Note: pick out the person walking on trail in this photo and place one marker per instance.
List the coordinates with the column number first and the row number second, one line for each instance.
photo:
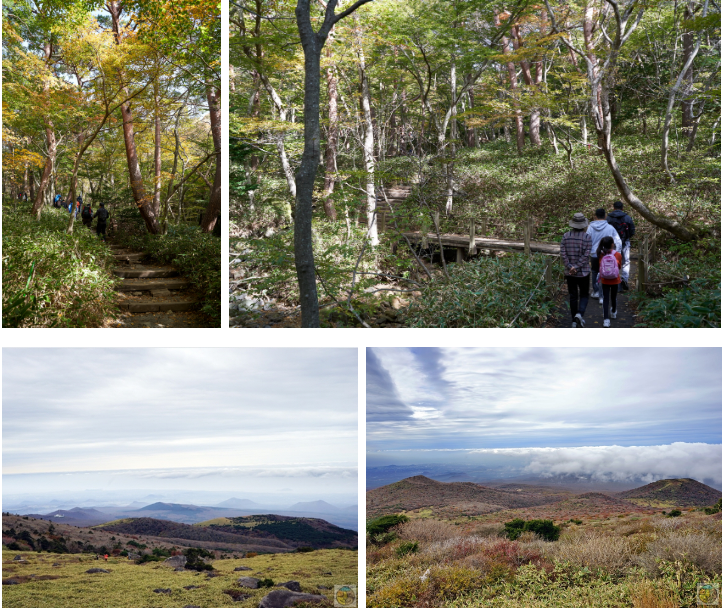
column 576, row 257
column 624, row 226
column 78, row 204
column 106, row 557
column 609, row 277
column 102, row 215
column 57, row 201
column 87, row 216
column 598, row 230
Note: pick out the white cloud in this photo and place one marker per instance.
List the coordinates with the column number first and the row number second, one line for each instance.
column 699, row 461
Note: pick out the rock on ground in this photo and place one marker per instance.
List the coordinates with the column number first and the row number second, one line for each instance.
column 249, row 582
column 243, row 568
column 280, row 599
column 163, row 590
column 97, row 571
column 175, row 561
column 291, row 585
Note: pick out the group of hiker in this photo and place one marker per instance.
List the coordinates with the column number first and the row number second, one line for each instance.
column 87, row 215
column 600, row 250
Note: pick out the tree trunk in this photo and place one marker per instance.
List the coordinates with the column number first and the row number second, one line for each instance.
column 156, row 151
column 143, row 202
column 369, row 148
column 50, row 142
column 450, row 167
column 513, row 79
column 330, row 153
column 687, row 103
column 213, row 209
column 312, row 44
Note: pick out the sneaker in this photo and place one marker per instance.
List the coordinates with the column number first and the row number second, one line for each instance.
column 613, row 314
column 595, row 295
column 600, row 299
column 574, row 324
column 624, row 285
column 579, row 321
column 606, row 322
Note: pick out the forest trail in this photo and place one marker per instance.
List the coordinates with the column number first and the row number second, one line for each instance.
column 153, row 295
column 625, row 319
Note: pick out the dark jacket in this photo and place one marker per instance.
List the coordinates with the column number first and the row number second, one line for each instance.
column 622, row 222
column 102, row 215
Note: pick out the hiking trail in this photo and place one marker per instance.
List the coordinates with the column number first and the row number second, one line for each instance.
column 153, row 295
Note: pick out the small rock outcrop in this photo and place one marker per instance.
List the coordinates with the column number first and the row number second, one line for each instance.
column 280, row 599
column 291, row 585
column 191, row 587
column 249, row 582
column 237, row 595
column 163, row 590
column 243, row 568
column 176, row 561
column 10, row 582
column 97, row 571
column 18, row 557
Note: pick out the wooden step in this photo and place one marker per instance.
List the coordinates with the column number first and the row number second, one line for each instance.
column 153, row 285
column 145, row 272
column 138, row 307
column 135, row 256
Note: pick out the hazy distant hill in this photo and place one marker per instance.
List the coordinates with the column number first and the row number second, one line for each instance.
column 315, row 506
column 684, row 492
column 464, row 498
column 238, row 503
column 78, row 516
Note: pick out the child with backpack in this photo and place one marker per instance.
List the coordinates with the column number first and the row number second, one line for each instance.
column 609, row 276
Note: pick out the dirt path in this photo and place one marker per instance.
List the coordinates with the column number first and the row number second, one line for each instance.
column 153, row 295
column 626, row 317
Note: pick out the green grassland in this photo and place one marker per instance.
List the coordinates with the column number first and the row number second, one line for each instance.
column 132, row 585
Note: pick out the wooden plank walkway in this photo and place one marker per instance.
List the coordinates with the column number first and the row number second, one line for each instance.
column 462, row 244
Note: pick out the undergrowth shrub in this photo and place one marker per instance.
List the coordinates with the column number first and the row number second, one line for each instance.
column 696, row 549
column 487, row 292
column 609, row 553
column 197, row 256
column 429, row 589
column 544, row 528
column 405, row 548
column 71, row 284
column 427, row 531
column 649, row 594
column 382, row 524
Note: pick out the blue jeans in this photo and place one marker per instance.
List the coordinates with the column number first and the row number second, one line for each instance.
column 626, row 263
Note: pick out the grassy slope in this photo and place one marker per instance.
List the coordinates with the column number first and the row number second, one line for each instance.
column 131, row 585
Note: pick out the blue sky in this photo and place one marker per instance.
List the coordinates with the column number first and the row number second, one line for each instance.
column 649, row 412
column 254, row 420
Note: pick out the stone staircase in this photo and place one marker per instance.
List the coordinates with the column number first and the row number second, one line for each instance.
column 150, row 287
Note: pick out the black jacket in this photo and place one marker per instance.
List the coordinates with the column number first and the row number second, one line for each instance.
column 619, row 219
column 102, row 215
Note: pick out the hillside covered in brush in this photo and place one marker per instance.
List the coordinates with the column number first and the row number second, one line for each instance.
column 272, row 531
column 419, row 492
column 683, row 492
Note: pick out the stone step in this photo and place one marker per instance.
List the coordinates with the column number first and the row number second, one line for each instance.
column 145, row 272
column 138, row 307
column 152, row 285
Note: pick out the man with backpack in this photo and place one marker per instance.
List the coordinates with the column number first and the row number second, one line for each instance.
column 598, row 230
column 87, row 215
column 624, row 226
column 102, row 215
column 576, row 257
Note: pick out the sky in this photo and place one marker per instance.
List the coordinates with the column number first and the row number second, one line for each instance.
column 614, row 414
column 252, row 421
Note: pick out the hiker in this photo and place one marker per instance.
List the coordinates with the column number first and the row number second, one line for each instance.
column 624, row 226
column 57, row 201
column 576, row 257
column 106, row 557
column 599, row 229
column 77, row 207
column 609, row 277
column 102, row 215
column 87, row 215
